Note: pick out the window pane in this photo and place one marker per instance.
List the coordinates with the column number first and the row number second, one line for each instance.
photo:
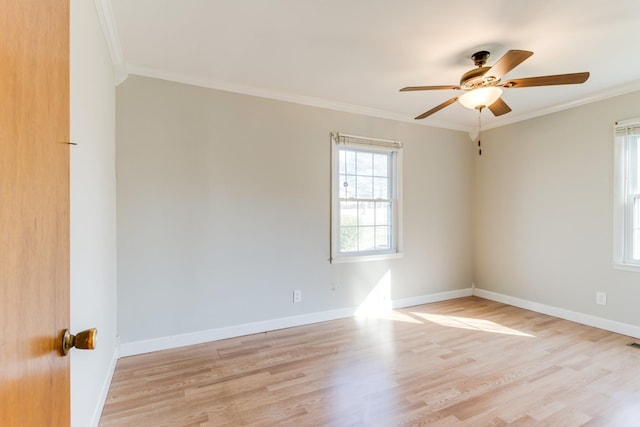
column 348, row 239
column 634, row 164
column 380, row 188
column 347, row 187
column 364, row 163
column 383, row 240
column 636, row 230
column 366, row 239
column 364, row 175
column 350, row 162
column 381, row 165
column 366, row 213
column 383, row 213
column 365, row 187
column 348, row 214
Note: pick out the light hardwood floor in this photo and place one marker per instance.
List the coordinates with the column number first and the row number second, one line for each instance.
column 463, row 362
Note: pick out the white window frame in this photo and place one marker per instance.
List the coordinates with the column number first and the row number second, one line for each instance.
column 369, row 145
column 624, row 200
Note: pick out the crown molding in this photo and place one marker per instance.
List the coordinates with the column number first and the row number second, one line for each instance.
column 598, row 96
column 107, row 21
column 284, row 96
column 356, row 109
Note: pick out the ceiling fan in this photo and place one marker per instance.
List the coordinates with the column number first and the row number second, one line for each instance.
column 483, row 88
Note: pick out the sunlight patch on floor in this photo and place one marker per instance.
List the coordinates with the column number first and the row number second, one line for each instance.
column 378, row 305
column 470, row 323
column 396, row 316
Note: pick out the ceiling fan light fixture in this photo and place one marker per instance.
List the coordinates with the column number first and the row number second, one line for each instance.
column 479, row 98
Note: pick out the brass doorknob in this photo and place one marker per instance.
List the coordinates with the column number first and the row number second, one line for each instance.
column 85, row 340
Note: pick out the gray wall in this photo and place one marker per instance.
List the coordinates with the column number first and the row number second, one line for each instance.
column 93, row 212
column 223, row 209
column 544, row 211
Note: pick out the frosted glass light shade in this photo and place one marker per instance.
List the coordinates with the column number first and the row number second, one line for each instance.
column 481, row 97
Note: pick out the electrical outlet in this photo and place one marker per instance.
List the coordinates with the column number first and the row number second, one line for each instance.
column 601, row 298
column 297, row 295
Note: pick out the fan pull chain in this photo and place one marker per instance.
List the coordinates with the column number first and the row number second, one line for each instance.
column 479, row 131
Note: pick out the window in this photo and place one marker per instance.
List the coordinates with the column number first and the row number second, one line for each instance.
column 365, row 194
column 627, row 194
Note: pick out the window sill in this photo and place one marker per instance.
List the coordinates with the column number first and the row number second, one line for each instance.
column 363, row 258
column 626, row 267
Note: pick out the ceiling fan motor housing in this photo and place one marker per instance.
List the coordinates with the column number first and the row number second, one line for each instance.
column 476, row 78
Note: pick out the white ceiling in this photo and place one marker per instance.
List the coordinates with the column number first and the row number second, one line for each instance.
column 354, row 55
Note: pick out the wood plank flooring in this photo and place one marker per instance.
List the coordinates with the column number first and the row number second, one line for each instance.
column 463, row 362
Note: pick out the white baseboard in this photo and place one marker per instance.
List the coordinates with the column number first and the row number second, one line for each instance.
column 585, row 319
column 182, row 340
column 426, row 299
column 104, row 391
column 191, row 338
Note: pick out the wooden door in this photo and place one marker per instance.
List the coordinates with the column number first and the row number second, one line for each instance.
column 34, row 212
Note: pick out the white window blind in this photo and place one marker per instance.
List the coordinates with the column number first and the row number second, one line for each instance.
column 341, row 138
